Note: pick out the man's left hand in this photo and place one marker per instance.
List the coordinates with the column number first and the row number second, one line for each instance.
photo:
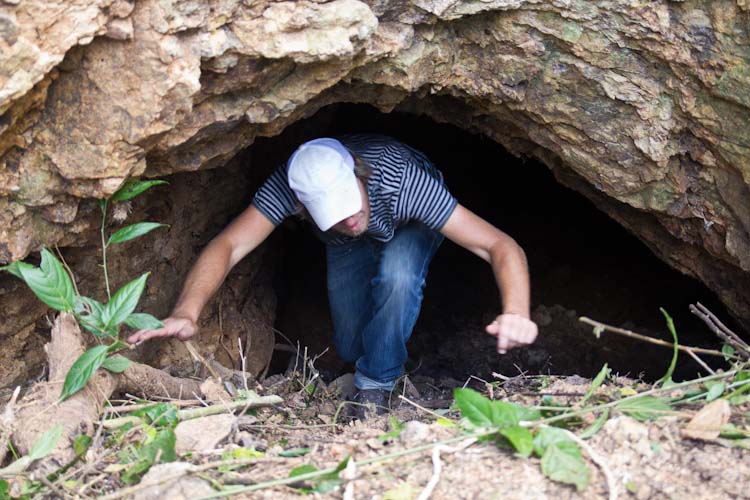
column 512, row 330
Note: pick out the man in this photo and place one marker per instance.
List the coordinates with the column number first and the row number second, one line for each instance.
column 382, row 210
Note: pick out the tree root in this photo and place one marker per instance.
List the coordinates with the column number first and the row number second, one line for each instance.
column 40, row 409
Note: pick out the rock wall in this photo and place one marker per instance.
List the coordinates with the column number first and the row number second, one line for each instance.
column 640, row 105
column 196, row 207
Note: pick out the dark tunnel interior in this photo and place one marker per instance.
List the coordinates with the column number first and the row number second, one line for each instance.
column 582, row 263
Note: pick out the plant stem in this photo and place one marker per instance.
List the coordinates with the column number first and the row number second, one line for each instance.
column 319, row 473
column 104, row 248
column 188, row 414
column 651, row 392
column 651, row 340
column 733, row 385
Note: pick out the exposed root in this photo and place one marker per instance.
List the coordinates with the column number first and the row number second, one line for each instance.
column 40, row 409
column 150, row 382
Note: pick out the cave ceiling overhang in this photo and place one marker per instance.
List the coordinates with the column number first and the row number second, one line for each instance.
column 641, row 106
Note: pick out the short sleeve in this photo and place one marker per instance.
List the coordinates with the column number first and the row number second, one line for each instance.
column 275, row 199
column 425, row 197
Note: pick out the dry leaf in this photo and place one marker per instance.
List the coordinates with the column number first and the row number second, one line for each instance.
column 708, row 422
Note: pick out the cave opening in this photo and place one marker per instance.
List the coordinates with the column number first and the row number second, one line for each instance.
column 582, row 263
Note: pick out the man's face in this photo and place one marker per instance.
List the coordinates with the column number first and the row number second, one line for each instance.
column 356, row 225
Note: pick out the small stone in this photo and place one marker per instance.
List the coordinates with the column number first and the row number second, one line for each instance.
column 374, row 444
column 340, row 451
column 172, row 482
column 252, row 442
column 344, row 385
column 214, row 392
column 414, row 432
column 203, row 433
column 643, row 492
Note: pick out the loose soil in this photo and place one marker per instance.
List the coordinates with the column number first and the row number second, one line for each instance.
column 646, row 459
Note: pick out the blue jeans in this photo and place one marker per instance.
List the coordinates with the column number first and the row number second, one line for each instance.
column 375, row 293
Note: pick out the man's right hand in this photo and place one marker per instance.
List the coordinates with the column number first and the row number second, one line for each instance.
column 181, row 328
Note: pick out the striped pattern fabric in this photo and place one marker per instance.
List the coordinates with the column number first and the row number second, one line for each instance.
column 404, row 186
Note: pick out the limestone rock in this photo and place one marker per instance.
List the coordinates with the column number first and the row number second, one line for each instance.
column 641, row 106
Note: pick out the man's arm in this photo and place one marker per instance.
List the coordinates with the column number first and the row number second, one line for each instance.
column 513, row 327
column 238, row 239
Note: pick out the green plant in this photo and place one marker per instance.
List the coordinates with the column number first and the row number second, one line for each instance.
column 52, row 284
column 313, row 482
column 507, row 423
column 41, row 448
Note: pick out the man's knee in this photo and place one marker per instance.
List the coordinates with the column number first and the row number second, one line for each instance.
column 400, row 282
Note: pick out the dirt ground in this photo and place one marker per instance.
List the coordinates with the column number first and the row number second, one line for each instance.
column 645, row 459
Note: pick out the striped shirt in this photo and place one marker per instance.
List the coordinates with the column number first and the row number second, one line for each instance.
column 404, row 186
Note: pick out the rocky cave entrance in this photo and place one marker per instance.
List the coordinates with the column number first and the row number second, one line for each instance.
column 582, row 264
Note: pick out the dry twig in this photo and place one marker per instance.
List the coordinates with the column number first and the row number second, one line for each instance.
column 437, row 465
column 599, row 461
column 197, row 356
column 721, row 330
column 651, row 340
column 419, row 407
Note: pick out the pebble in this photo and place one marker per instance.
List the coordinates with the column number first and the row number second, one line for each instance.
column 414, row 432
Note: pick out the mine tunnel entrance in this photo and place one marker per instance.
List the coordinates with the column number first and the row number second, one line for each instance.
column 582, row 263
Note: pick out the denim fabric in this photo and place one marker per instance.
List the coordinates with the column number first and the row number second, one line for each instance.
column 375, row 294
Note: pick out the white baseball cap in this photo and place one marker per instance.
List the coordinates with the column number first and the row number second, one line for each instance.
column 321, row 174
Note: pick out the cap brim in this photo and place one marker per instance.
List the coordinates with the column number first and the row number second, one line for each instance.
column 336, row 205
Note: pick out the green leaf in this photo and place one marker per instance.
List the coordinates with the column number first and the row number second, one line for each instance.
column 327, row 485
column 596, row 383
column 667, row 378
column 562, row 461
column 89, row 314
column 242, row 454
column 715, row 390
column 135, row 471
column 46, row 443
column 133, row 188
column 328, row 482
column 165, row 441
column 294, row 452
column 159, row 414
column 4, row 489
column 82, row 369
column 396, row 429
column 522, row 413
column 49, row 282
column 546, row 437
column 484, row 412
column 728, row 351
column 645, row 408
column 123, row 303
column 302, row 469
column 133, row 231
column 14, row 268
column 596, row 426
column 474, row 406
column 81, row 444
column 143, row 321
column 116, row 364
column 520, row 438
